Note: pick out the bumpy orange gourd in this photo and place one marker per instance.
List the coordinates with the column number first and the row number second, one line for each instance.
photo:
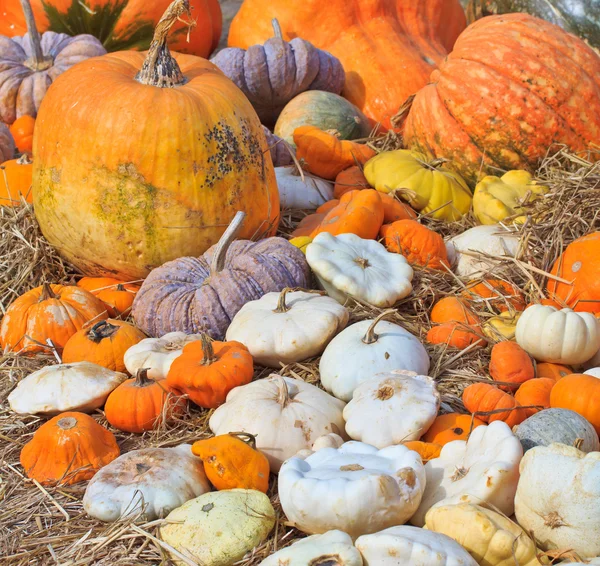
column 449, row 427
column 325, row 155
column 455, row 324
column 231, row 461
column 15, row 181
column 486, row 398
column 500, row 295
column 22, row 131
column 535, row 392
column 311, row 222
column 207, row 371
column 351, row 179
column 68, row 449
column 394, row 209
column 139, row 404
column 417, row 243
column 105, row 344
column 427, row 450
column 552, row 371
column 579, row 393
column 453, row 309
column 509, row 363
column 49, row 312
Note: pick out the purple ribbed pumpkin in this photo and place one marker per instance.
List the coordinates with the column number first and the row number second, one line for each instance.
column 270, row 75
column 194, row 295
column 7, row 144
column 281, row 152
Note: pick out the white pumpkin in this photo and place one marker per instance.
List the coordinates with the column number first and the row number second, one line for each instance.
column 593, row 371
column 365, row 349
column 157, row 354
column 286, row 327
column 409, row 546
column 219, row 528
column 492, row 240
column 330, row 440
column 348, row 266
column 483, row 469
column 150, row 482
column 286, row 415
column 355, row 488
column 558, row 498
column 558, row 336
column 392, row 408
column 333, row 548
column 294, row 192
column 80, row 386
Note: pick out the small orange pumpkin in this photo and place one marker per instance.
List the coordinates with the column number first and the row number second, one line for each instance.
column 394, row 209
column 139, row 404
column 22, row 131
column 535, row 392
column 351, row 179
column 449, row 427
column 552, row 371
column 484, row 397
column 117, row 295
column 453, row 309
column 511, row 364
column 68, row 449
column 15, row 181
column 105, row 344
column 309, row 223
column 580, row 393
column 499, row 294
column 456, row 325
column 207, row 371
column 231, row 461
column 453, row 335
column 427, row 450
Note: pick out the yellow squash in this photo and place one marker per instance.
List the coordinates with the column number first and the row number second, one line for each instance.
column 301, row 242
column 502, row 326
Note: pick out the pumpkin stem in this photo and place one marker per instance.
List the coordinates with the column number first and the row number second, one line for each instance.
column 207, row 349
column 141, row 378
column 276, row 28
column 281, row 306
column 38, row 61
column 218, row 259
column 67, row 423
column 25, row 159
column 249, row 439
column 47, row 293
column 284, row 393
column 101, row 330
column 160, row 67
column 370, row 337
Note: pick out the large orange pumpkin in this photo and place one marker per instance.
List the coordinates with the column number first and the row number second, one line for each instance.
column 387, row 47
column 493, row 103
column 168, row 149
column 579, row 393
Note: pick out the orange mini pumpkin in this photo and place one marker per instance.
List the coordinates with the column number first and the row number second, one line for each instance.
column 535, row 392
column 417, row 243
column 231, row 461
column 449, row 427
column 15, row 181
column 509, row 363
column 309, row 223
column 427, row 450
column 456, row 325
column 552, row 371
column 68, row 449
column 486, row 398
column 453, row 309
column 580, row 393
column 207, row 371
column 22, row 131
column 394, row 209
column 351, row 179
column 117, row 295
column 105, row 344
column 500, row 295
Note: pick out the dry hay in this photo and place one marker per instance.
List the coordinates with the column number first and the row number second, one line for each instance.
column 43, row 526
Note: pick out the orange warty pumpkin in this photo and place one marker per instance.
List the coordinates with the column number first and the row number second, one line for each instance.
column 351, row 179
column 453, row 309
column 535, row 392
column 49, row 312
column 231, row 461
column 15, row 181
column 455, row 324
column 417, row 243
column 427, row 450
column 579, row 393
column 311, row 222
column 483, row 397
column 552, row 371
column 22, row 131
column 68, row 449
column 509, row 363
column 105, row 344
column 394, row 209
column 207, row 371
column 491, row 104
column 499, row 294
column 451, row 426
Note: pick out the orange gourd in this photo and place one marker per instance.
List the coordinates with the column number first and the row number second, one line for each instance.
column 231, row 461
column 427, row 450
column 22, row 131
column 394, row 209
column 105, row 344
column 509, row 363
column 15, row 181
column 483, row 397
column 207, row 371
column 68, row 449
column 453, row 309
column 500, row 295
column 451, row 426
column 325, row 155
column 417, row 243
column 552, row 371
column 579, row 393
column 309, row 223
column 535, row 392
column 117, row 295
column 351, row 179
column 453, row 335
column 456, row 325
column 141, row 404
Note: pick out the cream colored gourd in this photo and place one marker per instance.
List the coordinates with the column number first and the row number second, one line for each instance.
column 295, row 192
column 558, row 336
column 286, row 415
column 80, row 386
column 150, row 483
column 348, row 266
column 330, row 440
column 333, row 548
column 489, row 537
column 367, row 348
column 219, row 528
column 410, row 546
column 286, row 327
column 157, row 354
column 483, row 469
column 356, row 488
column 557, row 498
column 593, row 371
column 392, row 408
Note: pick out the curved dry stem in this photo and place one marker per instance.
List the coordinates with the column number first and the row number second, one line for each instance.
column 218, row 259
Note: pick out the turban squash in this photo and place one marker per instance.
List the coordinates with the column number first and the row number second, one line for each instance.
column 141, row 207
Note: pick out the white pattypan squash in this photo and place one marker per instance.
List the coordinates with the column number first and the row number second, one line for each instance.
column 392, row 408
column 355, row 488
column 348, row 266
column 287, row 327
column 365, row 349
column 593, row 371
column 150, row 482
column 333, row 548
column 490, row 538
column 410, row 546
column 286, row 415
column 219, row 528
column 79, row 386
column 558, row 336
column 558, row 498
column 330, row 440
column 483, row 469
column 157, row 354
column 294, row 192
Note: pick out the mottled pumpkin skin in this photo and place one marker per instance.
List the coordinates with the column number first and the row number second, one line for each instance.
column 122, row 209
